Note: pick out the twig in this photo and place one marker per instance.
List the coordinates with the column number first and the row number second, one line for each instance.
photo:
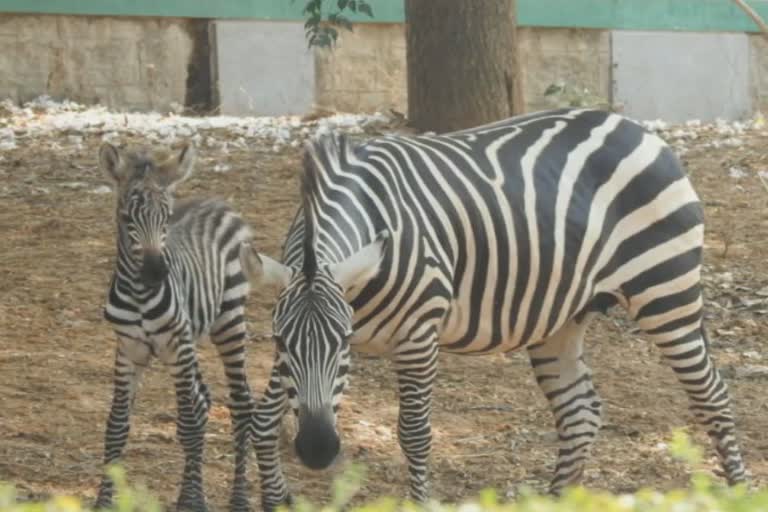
column 755, row 17
column 474, row 455
column 504, row 408
column 762, row 180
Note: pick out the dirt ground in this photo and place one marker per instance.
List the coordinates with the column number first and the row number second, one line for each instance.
column 492, row 426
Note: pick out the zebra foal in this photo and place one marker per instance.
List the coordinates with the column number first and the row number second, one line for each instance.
column 505, row 236
column 177, row 278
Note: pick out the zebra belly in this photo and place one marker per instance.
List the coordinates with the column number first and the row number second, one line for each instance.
column 140, row 346
column 487, row 337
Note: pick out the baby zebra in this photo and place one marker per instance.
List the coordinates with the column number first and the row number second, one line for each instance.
column 176, row 279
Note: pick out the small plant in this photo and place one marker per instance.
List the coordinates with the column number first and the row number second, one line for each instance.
column 702, row 496
column 562, row 94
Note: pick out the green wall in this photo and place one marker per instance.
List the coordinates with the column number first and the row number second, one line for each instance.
column 699, row 15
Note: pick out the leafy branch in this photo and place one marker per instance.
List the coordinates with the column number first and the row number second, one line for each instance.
column 324, row 32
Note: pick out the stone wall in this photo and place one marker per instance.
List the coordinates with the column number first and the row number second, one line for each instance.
column 260, row 67
column 125, row 63
column 579, row 59
column 365, row 72
column 367, row 69
column 758, row 72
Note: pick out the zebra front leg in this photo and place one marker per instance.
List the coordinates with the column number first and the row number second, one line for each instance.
column 229, row 340
column 192, row 402
column 127, row 375
column 416, row 369
column 567, row 384
column 267, row 422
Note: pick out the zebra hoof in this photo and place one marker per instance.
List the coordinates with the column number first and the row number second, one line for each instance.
column 271, row 507
column 239, row 504
column 192, row 506
column 102, row 504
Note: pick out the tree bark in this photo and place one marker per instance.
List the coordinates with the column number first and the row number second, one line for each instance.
column 462, row 63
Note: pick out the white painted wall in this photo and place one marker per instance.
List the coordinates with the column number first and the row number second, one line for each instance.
column 264, row 68
column 678, row 76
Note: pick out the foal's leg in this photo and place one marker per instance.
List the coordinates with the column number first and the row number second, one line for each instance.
column 228, row 335
column 192, row 402
column 127, row 376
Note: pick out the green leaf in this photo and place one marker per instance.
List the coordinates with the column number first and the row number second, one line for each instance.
column 365, row 8
column 553, row 89
column 313, row 6
column 313, row 21
column 342, row 4
column 353, row 5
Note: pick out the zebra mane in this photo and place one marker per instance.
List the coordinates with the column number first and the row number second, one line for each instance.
column 321, row 155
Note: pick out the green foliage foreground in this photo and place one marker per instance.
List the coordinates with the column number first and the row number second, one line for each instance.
column 703, row 495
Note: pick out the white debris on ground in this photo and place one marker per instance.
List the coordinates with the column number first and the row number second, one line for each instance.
column 45, row 117
column 64, row 125
column 696, row 134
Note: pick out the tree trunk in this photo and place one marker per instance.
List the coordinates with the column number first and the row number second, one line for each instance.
column 462, row 63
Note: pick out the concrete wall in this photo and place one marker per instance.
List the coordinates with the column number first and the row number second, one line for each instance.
column 131, row 63
column 264, row 68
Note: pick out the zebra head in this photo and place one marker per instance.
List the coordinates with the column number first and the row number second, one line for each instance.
column 144, row 185
column 312, row 325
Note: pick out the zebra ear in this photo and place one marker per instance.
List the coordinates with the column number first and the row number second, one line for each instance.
column 110, row 161
column 177, row 168
column 362, row 266
column 263, row 270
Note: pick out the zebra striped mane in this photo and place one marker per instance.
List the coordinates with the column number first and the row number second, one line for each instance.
column 321, row 155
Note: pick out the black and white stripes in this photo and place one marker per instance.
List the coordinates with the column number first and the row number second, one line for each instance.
column 177, row 278
column 504, row 236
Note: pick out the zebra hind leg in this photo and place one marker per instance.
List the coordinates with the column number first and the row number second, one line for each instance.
column 228, row 336
column 193, row 402
column 671, row 315
column 127, row 375
column 566, row 381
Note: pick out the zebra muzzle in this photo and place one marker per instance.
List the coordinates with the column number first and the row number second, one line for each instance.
column 317, row 443
column 154, row 270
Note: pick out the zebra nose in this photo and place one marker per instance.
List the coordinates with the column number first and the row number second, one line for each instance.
column 317, row 444
column 153, row 269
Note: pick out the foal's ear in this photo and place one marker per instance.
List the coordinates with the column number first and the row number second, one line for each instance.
column 177, row 168
column 111, row 162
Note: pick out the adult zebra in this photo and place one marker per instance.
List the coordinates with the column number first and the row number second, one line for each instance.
column 504, row 236
column 177, row 278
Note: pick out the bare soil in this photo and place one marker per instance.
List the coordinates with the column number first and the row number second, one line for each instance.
column 492, row 426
